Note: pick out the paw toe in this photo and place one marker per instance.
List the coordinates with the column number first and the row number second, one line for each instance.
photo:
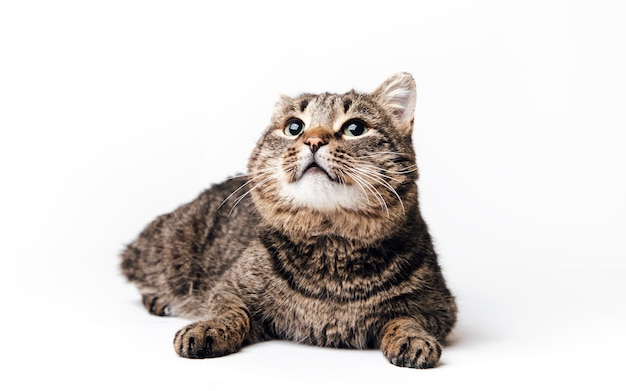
column 204, row 340
column 413, row 352
column 156, row 305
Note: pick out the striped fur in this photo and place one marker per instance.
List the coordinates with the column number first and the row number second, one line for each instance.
column 322, row 242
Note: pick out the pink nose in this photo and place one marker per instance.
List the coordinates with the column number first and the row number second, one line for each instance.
column 314, row 143
column 317, row 137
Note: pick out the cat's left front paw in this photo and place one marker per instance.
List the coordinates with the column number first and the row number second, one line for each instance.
column 406, row 348
column 413, row 352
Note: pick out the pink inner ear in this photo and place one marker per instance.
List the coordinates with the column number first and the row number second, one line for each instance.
column 398, row 94
column 402, row 105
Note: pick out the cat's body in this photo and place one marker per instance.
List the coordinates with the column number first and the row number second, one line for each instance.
column 322, row 243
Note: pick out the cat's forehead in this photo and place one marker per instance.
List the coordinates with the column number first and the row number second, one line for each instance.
column 320, row 108
column 325, row 108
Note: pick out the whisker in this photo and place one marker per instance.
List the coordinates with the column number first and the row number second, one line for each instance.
column 371, row 188
column 372, row 170
column 234, row 192
column 358, row 183
column 402, row 171
column 378, row 179
column 254, row 176
column 240, row 198
column 377, row 153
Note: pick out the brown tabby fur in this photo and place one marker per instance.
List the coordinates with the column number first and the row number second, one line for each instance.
column 335, row 255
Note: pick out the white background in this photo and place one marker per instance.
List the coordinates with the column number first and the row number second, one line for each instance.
column 112, row 112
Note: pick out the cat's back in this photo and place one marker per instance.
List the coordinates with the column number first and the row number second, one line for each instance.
column 194, row 244
column 224, row 220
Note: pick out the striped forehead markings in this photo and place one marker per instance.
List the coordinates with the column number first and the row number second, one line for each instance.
column 324, row 108
column 346, row 105
column 303, row 104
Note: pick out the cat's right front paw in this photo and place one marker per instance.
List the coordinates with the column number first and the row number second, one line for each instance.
column 208, row 339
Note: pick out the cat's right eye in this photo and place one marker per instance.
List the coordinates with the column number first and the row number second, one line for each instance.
column 294, row 127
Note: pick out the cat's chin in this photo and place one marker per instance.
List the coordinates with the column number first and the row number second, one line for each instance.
column 317, row 191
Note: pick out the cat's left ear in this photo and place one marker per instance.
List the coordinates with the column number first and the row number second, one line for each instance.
column 398, row 94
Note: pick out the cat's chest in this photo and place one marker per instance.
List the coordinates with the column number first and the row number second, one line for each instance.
column 290, row 315
column 329, row 295
column 329, row 269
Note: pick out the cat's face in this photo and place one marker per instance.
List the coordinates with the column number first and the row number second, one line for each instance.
column 329, row 154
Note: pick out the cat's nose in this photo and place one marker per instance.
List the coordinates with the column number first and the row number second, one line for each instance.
column 315, row 138
column 314, row 143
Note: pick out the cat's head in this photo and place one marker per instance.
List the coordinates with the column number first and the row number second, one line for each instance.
column 331, row 160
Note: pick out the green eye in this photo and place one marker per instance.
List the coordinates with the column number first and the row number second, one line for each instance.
column 294, row 127
column 354, row 128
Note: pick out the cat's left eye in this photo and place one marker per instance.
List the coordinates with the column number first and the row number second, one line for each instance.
column 354, row 128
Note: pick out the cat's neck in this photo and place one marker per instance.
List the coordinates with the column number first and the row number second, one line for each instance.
column 307, row 226
column 302, row 224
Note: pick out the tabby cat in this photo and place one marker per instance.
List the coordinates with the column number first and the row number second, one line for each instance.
column 322, row 242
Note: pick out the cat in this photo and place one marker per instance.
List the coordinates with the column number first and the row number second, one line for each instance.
column 322, row 242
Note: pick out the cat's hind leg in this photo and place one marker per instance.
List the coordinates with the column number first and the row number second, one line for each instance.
column 153, row 296
column 143, row 265
column 156, row 305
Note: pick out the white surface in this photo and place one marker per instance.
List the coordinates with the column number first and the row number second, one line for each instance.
column 114, row 112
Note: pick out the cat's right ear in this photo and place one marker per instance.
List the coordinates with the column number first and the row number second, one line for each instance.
column 285, row 101
column 398, row 95
column 284, row 105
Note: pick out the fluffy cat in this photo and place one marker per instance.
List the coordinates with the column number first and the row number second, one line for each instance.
column 322, row 242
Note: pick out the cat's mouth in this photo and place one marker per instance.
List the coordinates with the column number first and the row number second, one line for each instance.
column 316, row 169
